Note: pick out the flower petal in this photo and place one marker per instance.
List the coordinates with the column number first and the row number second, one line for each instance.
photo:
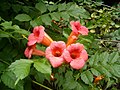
column 48, row 53
column 77, row 63
column 32, row 42
column 28, row 52
column 56, row 61
column 83, row 30
column 75, row 26
column 84, row 55
column 67, row 56
column 76, row 46
column 31, row 39
column 59, row 44
column 39, row 33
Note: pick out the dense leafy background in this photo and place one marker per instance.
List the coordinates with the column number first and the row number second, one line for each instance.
column 17, row 19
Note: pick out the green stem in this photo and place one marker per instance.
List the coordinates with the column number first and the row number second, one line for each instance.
column 4, row 62
column 41, row 85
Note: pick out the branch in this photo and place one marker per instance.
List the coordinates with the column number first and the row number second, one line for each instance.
column 41, row 85
column 116, row 41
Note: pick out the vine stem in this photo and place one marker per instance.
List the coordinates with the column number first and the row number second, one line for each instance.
column 4, row 62
column 108, row 40
column 41, row 85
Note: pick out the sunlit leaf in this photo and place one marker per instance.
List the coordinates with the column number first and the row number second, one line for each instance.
column 9, row 79
column 23, row 17
column 42, row 66
column 21, row 68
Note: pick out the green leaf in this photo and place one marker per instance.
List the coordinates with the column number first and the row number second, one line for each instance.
column 16, row 8
column 9, row 79
column 52, row 7
column 55, row 16
column 65, row 16
column 113, row 57
column 95, row 72
column 39, row 77
column 104, row 69
column 2, row 67
column 82, row 86
column 94, row 59
column 61, row 7
column 36, row 22
column 23, row 17
column 6, row 24
column 46, row 19
column 41, row 7
column 87, row 77
column 21, row 68
column 22, row 31
column 70, row 83
column 103, row 58
column 42, row 66
column 5, row 34
column 115, row 70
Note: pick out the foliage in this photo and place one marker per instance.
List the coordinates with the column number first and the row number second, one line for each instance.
column 17, row 19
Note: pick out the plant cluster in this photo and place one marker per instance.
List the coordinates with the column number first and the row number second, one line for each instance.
column 89, row 60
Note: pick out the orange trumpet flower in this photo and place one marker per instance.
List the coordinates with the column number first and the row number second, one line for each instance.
column 39, row 36
column 77, row 29
column 31, row 50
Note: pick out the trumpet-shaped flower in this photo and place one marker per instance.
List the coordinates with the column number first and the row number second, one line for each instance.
column 31, row 50
column 54, row 53
column 39, row 36
column 76, row 55
column 77, row 29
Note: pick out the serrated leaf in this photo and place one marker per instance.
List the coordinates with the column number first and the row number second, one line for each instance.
column 9, row 79
column 52, row 7
column 81, row 86
column 105, row 70
column 115, row 70
column 23, row 17
column 6, row 24
column 19, row 86
column 36, row 22
column 41, row 7
column 113, row 57
column 55, row 16
column 46, row 19
column 94, row 59
column 65, row 16
column 21, row 68
column 70, row 83
column 103, row 58
column 61, row 7
column 87, row 77
column 39, row 77
column 95, row 72
column 42, row 66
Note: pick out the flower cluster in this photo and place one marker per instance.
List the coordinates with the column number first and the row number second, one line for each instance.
column 58, row 52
